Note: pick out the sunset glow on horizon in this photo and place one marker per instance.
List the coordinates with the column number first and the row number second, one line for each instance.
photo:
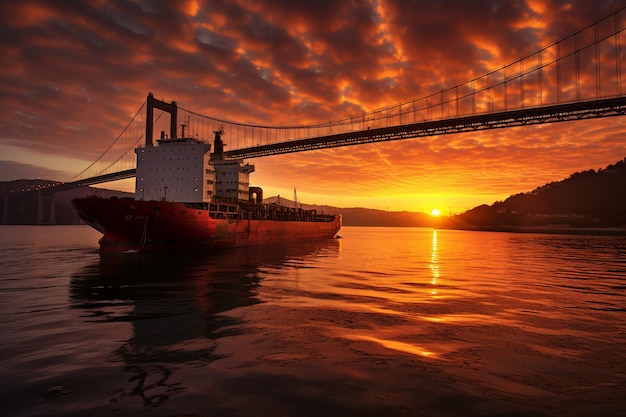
column 75, row 73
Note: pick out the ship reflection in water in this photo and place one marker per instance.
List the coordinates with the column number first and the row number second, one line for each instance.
column 179, row 306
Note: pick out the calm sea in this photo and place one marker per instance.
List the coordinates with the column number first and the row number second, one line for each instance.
column 383, row 322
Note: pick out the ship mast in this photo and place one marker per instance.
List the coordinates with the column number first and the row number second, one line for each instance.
column 295, row 198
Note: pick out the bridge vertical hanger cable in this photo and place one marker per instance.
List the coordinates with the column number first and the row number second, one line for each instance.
column 618, row 68
column 597, row 50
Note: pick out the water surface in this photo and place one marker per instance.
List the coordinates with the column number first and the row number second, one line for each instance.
column 385, row 321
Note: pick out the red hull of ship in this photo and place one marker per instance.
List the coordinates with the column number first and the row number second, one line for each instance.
column 129, row 226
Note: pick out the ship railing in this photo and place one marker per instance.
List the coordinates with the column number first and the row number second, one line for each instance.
column 197, row 206
column 223, row 210
column 326, row 218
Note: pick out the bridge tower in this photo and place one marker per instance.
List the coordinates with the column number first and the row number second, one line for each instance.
column 171, row 108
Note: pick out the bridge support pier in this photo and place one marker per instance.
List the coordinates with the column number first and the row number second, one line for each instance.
column 5, row 212
column 40, row 206
column 42, row 198
column 53, row 216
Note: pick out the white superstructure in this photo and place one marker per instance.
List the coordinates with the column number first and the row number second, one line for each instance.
column 232, row 178
column 184, row 170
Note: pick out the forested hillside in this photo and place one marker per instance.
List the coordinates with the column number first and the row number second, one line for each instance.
column 585, row 199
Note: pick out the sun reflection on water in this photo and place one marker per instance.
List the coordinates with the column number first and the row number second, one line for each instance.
column 395, row 345
column 434, row 265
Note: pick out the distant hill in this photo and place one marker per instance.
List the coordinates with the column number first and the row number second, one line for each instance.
column 588, row 199
column 24, row 185
column 369, row 217
column 19, row 202
column 358, row 216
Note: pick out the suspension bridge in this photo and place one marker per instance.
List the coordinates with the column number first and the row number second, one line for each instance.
column 578, row 77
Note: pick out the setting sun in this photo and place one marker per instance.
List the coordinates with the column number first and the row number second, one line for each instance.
column 435, row 212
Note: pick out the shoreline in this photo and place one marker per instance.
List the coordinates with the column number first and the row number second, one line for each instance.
column 590, row 231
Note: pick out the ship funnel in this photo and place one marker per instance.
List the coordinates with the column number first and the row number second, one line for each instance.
column 218, row 146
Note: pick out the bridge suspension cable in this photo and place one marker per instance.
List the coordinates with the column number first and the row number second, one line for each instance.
column 119, row 155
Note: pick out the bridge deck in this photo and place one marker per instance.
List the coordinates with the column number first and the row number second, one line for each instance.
column 548, row 114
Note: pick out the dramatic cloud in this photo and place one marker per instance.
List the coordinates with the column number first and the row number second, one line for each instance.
column 73, row 74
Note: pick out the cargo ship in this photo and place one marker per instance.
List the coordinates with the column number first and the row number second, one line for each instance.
column 189, row 196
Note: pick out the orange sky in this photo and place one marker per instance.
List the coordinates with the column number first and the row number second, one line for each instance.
column 74, row 73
